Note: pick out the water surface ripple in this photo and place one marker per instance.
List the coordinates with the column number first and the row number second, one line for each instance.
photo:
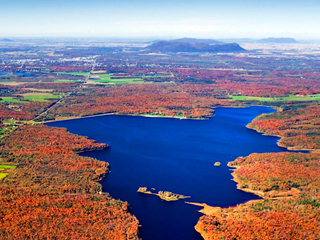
column 173, row 155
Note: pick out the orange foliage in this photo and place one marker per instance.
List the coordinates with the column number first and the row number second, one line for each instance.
column 298, row 126
column 162, row 99
column 283, row 214
column 27, row 110
column 276, row 171
column 259, row 225
column 53, row 193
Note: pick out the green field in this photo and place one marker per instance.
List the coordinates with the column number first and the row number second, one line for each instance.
column 74, row 73
column 109, row 78
column 41, row 98
column 11, row 100
column 277, row 99
column 6, row 128
column 3, row 175
column 106, row 78
column 8, row 121
column 7, row 82
column 120, row 81
column 33, row 98
column 3, row 167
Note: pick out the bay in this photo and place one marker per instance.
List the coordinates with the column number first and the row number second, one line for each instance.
column 174, row 155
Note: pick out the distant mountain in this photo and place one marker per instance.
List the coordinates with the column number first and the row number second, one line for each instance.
column 195, row 40
column 173, row 46
column 6, row 40
column 277, row 40
column 237, row 40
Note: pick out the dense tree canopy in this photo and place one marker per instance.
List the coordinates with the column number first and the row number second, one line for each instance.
column 53, row 193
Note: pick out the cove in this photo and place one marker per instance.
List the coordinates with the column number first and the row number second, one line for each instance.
column 173, row 155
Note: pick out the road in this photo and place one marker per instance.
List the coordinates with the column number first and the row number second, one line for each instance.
column 67, row 95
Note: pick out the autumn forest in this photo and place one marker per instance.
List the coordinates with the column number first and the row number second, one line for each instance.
column 49, row 191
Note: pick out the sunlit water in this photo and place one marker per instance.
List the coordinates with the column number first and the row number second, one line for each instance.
column 174, row 155
column 21, row 74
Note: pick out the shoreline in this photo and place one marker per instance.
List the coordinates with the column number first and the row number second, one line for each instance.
column 258, row 193
column 127, row 115
column 154, row 116
column 164, row 195
column 273, row 195
column 278, row 142
column 206, row 209
column 77, row 179
column 261, row 193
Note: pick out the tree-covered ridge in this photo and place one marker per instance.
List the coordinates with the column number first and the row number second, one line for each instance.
column 53, row 193
column 158, row 99
column 298, row 126
column 276, row 171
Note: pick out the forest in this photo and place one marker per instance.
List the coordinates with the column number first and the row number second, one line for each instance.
column 51, row 185
column 47, row 182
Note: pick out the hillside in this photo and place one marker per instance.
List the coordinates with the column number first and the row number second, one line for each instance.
column 196, row 40
column 6, row 40
column 173, row 46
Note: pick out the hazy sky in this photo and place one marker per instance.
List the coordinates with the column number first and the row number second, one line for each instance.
column 147, row 18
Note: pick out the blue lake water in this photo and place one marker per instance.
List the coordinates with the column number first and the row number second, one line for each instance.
column 22, row 74
column 173, row 155
column 4, row 73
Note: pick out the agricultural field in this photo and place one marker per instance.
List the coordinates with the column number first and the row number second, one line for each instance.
column 3, row 175
column 40, row 97
column 109, row 78
column 11, row 100
column 4, row 167
column 12, row 83
column 74, row 73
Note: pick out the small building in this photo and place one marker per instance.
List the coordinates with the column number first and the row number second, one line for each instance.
column 14, row 107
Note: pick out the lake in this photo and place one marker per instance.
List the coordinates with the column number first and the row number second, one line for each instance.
column 174, row 155
column 21, row 74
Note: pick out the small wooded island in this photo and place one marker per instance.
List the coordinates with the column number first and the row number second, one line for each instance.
column 164, row 195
